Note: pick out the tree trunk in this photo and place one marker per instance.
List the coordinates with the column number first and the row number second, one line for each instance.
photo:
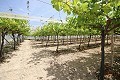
column 14, row 43
column 102, row 53
column 95, row 39
column 89, row 40
column 50, row 38
column 18, row 39
column 42, row 39
column 80, row 41
column 67, row 41
column 2, row 44
column 22, row 38
column 70, row 39
column 84, row 40
column 47, row 41
column 63, row 40
column 54, row 39
column 57, row 43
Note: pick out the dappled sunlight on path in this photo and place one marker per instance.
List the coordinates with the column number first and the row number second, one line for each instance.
column 30, row 63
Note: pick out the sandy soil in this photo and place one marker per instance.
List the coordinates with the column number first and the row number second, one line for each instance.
column 31, row 62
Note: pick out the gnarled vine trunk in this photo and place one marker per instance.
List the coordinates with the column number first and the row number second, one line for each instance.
column 47, row 40
column 57, row 43
column 14, row 42
column 2, row 44
column 89, row 40
column 102, row 53
column 18, row 39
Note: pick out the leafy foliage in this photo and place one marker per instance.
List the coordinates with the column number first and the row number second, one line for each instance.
column 14, row 25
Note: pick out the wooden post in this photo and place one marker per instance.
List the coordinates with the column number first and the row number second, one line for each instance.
column 112, row 48
column 0, row 45
column 0, row 40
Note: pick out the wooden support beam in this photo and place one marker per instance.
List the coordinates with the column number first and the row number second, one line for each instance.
column 0, row 40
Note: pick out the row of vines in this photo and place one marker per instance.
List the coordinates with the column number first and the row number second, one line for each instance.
column 16, row 27
column 65, row 32
column 90, row 20
column 88, row 17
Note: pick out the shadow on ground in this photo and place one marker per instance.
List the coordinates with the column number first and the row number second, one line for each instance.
column 38, row 56
column 8, row 49
column 45, row 53
column 116, row 67
column 91, row 46
column 82, row 68
column 40, row 45
column 117, row 49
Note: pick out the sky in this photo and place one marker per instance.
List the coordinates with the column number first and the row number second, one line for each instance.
column 37, row 8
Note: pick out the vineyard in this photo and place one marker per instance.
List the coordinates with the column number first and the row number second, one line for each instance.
column 85, row 46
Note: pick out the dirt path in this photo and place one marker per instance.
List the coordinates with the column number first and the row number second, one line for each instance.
column 31, row 63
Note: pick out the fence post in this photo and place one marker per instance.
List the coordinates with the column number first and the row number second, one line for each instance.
column 112, row 48
column 0, row 40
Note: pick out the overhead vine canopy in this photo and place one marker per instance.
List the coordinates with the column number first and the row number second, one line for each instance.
column 101, row 14
column 14, row 25
column 92, row 12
